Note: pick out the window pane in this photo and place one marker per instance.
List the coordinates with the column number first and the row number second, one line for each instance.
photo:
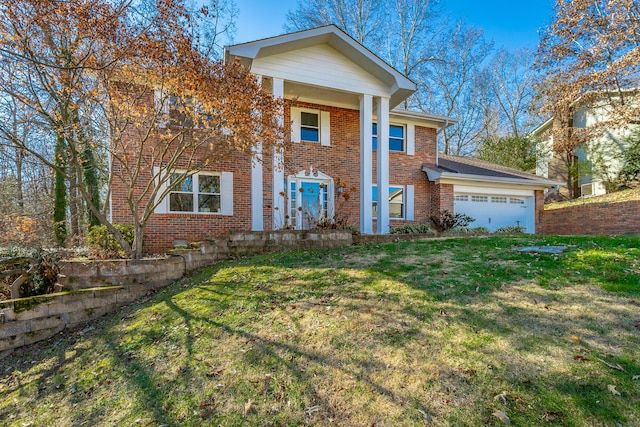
column 396, row 131
column 395, row 210
column 309, row 119
column 186, row 185
column 180, row 202
column 395, row 195
column 208, row 203
column 396, row 144
column 307, row 134
column 209, row 184
column 374, row 210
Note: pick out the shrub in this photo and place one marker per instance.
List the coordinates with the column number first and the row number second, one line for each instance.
column 446, row 220
column 413, row 229
column 510, row 230
column 41, row 281
column 104, row 245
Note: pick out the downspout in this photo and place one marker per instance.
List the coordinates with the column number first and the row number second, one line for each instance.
column 443, row 127
column 552, row 191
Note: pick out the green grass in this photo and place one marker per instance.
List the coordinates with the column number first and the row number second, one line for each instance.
column 443, row 332
column 618, row 196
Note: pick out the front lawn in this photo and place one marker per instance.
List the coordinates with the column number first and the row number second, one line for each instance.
column 461, row 331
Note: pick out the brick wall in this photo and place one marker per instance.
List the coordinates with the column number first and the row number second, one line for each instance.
column 600, row 218
column 340, row 160
column 441, row 196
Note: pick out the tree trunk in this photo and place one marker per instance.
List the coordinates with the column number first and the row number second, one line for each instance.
column 60, row 192
column 73, row 204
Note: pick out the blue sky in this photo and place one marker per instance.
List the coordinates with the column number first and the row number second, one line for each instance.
column 510, row 23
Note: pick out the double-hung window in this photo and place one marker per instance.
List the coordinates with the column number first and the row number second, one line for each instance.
column 201, row 192
column 195, row 193
column 396, row 137
column 396, row 202
column 309, row 127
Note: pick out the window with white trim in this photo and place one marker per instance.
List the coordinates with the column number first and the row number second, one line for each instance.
column 396, row 137
column 199, row 193
column 310, row 125
column 396, row 202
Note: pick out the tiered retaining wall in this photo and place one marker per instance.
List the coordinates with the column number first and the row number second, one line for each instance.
column 96, row 288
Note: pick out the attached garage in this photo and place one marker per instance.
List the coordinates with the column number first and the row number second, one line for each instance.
column 495, row 196
column 495, row 208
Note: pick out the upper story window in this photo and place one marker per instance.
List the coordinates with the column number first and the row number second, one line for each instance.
column 396, row 137
column 309, row 126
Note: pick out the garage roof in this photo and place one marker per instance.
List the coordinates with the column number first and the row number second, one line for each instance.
column 457, row 168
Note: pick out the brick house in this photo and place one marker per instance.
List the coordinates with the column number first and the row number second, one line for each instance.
column 341, row 107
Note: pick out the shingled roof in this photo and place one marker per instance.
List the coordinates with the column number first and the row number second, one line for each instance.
column 471, row 168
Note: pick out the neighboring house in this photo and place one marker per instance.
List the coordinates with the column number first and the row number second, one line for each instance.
column 598, row 160
column 340, row 102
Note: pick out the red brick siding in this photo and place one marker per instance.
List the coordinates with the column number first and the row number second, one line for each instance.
column 601, row 218
column 341, row 160
column 441, row 198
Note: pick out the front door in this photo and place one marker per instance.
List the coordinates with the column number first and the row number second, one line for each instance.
column 309, row 202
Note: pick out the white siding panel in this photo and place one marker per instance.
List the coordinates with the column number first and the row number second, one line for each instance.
column 325, row 128
column 226, row 193
column 322, row 66
column 411, row 139
column 295, row 124
column 409, row 201
column 162, row 206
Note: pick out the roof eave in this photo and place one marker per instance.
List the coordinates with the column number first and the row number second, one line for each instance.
column 440, row 120
column 453, row 178
column 401, row 86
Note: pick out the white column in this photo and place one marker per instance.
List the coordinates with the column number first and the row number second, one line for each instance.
column 278, row 210
column 257, row 187
column 366, row 160
column 382, row 178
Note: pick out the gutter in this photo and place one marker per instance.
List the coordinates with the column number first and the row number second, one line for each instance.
column 439, row 176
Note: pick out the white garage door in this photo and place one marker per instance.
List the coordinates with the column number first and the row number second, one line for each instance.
column 496, row 211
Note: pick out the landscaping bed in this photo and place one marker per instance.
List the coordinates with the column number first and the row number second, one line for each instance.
column 463, row 331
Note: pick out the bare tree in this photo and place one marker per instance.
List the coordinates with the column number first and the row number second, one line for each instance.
column 453, row 84
column 362, row 19
column 591, row 51
column 97, row 60
column 512, row 79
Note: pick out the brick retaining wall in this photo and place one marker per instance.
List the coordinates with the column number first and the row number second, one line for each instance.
column 596, row 218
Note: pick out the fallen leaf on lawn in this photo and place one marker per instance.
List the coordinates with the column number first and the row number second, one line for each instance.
column 613, row 390
column 503, row 417
column 247, row 408
column 575, row 338
column 502, row 396
column 580, row 358
column 636, row 377
column 551, row 415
